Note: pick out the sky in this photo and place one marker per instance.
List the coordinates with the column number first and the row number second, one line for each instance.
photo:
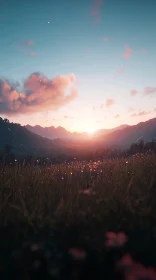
column 83, row 65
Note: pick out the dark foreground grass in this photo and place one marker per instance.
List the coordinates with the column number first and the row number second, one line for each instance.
column 74, row 205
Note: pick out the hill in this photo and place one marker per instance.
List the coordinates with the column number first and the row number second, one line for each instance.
column 25, row 142
column 101, row 132
column 131, row 134
column 52, row 132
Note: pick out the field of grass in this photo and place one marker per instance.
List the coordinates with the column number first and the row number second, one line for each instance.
column 81, row 201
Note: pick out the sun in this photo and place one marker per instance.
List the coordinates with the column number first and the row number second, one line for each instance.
column 90, row 131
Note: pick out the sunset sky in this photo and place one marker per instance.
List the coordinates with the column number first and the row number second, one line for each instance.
column 83, row 65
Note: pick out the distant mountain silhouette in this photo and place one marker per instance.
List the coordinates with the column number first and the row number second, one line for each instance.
column 52, row 133
column 23, row 141
column 107, row 131
column 131, row 134
column 59, row 132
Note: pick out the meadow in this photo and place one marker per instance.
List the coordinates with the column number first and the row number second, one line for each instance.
column 81, row 201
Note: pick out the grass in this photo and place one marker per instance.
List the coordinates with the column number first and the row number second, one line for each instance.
column 121, row 196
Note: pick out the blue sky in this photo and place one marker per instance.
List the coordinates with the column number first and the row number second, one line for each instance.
column 109, row 46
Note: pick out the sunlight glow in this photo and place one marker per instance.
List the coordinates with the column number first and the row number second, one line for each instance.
column 90, row 131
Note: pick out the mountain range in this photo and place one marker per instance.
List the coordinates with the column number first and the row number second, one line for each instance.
column 24, row 141
column 60, row 132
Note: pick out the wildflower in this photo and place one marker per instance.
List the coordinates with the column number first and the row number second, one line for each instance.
column 125, row 262
column 77, row 254
column 139, row 272
column 115, row 240
column 87, row 191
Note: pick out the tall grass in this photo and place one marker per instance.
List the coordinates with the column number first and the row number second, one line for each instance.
column 121, row 194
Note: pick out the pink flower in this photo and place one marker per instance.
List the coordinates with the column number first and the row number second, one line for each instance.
column 115, row 239
column 87, row 191
column 138, row 272
column 77, row 254
column 125, row 262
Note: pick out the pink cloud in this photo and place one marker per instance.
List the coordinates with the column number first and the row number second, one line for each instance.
column 25, row 44
column 149, row 90
column 109, row 102
column 25, row 47
column 142, row 113
column 133, row 92
column 106, row 39
column 128, row 52
column 117, row 116
column 95, row 11
column 30, row 43
column 32, row 53
column 39, row 94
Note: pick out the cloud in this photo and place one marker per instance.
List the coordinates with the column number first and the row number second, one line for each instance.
column 128, row 52
column 146, row 91
column 25, row 47
column 106, row 39
column 31, row 53
column 38, row 94
column 133, row 92
column 93, row 108
column 117, row 116
column 142, row 113
column 95, row 11
column 26, row 44
column 109, row 102
column 149, row 90
column 101, row 106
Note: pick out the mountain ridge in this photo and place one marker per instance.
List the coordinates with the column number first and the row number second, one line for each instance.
column 52, row 132
column 24, row 141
